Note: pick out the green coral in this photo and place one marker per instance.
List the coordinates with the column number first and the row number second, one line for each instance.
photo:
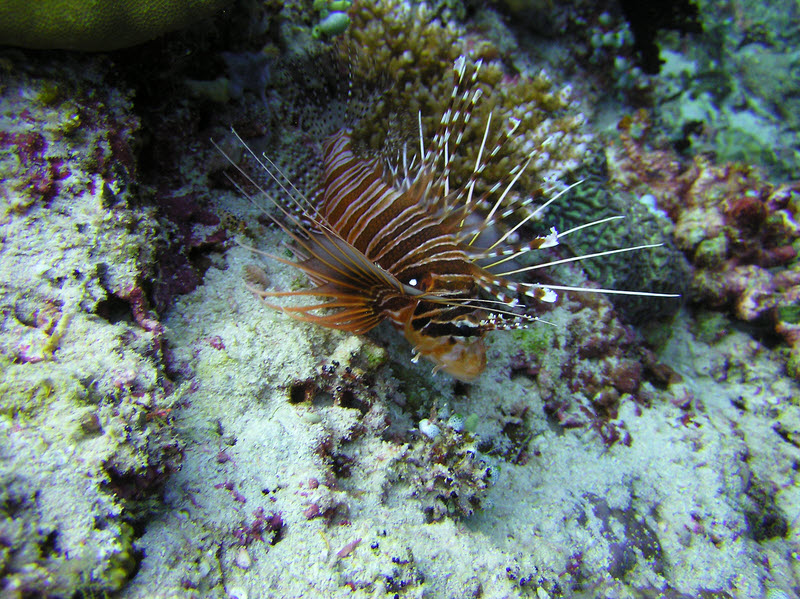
column 334, row 19
column 789, row 313
column 711, row 327
column 332, row 25
column 711, row 252
column 374, row 356
column 793, row 363
column 96, row 24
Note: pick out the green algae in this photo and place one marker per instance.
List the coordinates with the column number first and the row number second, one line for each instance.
column 711, row 327
column 789, row 313
column 27, row 390
column 535, row 341
column 711, row 252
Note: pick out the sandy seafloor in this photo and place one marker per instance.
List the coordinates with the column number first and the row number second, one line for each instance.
column 297, row 483
column 673, row 499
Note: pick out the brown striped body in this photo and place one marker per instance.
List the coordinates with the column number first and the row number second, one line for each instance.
column 407, row 236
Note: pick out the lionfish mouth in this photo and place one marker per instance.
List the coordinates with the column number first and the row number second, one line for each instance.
column 394, row 242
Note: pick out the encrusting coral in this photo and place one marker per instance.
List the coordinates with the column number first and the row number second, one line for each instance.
column 741, row 232
column 84, row 431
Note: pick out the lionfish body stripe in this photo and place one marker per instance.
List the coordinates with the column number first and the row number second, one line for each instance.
column 389, row 244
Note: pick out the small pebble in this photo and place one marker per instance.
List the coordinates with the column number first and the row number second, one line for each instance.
column 428, row 428
column 456, row 422
column 243, row 558
column 90, row 424
column 237, row 593
column 348, row 549
column 256, row 276
column 312, row 417
column 542, row 594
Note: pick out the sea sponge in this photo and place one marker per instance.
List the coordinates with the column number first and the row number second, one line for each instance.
column 96, row 25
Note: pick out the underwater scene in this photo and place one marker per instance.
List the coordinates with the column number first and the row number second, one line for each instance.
column 389, row 298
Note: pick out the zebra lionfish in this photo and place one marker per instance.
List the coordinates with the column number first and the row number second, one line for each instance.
column 398, row 243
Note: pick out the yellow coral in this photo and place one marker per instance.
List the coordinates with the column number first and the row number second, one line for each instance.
column 414, row 48
column 95, row 24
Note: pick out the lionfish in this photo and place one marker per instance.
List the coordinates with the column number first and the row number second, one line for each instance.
column 397, row 243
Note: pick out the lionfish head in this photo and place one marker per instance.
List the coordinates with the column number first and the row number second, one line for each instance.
column 463, row 358
column 396, row 242
column 449, row 336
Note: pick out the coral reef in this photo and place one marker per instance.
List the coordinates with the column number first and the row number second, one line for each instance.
column 331, row 441
column 585, row 367
column 661, row 269
column 443, row 471
column 96, row 25
column 585, row 461
column 355, row 450
column 740, row 231
column 415, row 48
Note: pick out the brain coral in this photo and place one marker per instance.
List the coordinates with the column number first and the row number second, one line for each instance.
column 662, row 269
column 96, row 24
